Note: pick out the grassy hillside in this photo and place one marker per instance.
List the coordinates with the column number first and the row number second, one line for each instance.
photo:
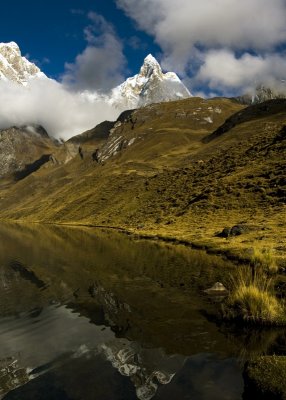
column 210, row 173
column 188, row 174
column 163, row 135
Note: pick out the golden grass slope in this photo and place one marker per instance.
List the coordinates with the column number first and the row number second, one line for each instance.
column 171, row 182
column 162, row 135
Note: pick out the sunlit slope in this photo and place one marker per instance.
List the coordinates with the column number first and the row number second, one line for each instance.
column 233, row 175
column 162, row 135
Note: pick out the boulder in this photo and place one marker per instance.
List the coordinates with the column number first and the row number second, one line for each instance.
column 236, row 230
column 218, row 289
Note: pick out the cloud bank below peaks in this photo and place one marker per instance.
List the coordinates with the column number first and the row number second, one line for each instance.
column 78, row 101
column 48, row 103
column 198, row 36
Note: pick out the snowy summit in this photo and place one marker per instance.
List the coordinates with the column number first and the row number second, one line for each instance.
column 151, row 85
column 14, row 67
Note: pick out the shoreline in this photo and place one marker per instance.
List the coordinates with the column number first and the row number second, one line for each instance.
column 176, row 240
column 255, row 383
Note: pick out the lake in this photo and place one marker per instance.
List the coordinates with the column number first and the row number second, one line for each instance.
column 96, row 314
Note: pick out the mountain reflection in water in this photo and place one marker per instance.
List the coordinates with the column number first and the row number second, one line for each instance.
column 88, row 314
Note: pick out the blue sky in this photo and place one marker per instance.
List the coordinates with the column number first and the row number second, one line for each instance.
column 52, row 32
column 217, row 47
column 222, row 47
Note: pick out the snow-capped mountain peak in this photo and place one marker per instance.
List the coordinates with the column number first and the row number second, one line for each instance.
column 10, row 45
column 14, row 67
column 150, row 85
column 150, row 60
column 149, row 67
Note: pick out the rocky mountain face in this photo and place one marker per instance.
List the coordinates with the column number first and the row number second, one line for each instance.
column 150, row 85
column 24, row 150
column 261, row 94
column 14, row 67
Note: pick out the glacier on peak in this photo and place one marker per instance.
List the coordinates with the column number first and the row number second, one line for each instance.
column 14, row 67
column 10, row 45
column 150, row 59
column 150, row 85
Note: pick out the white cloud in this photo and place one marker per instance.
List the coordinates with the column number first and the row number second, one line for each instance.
column 191, row 32
column 73, row 105
column 48, row 103
column 222, row 69
column 100, row 66
column 185, row 23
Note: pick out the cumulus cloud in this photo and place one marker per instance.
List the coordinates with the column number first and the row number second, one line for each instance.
column 222, row 69
column 197, row 35
column 100, row 66
column 50, row 104
column 77, row 102
column 185, row 23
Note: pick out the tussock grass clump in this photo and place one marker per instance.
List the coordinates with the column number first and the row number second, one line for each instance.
column 252, row 299
column 257, row 305
column 265, row 258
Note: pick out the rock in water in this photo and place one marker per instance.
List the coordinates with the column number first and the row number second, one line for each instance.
column 217, row 289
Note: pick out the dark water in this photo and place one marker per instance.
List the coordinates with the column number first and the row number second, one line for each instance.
column 89, row 314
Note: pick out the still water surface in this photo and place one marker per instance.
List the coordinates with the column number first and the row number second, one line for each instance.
column 89, row 314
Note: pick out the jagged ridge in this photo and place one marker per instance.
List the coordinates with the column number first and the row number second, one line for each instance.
column 151, row 85
column 14, row 67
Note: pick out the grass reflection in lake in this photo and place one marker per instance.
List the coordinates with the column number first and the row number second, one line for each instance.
column 88, row 299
